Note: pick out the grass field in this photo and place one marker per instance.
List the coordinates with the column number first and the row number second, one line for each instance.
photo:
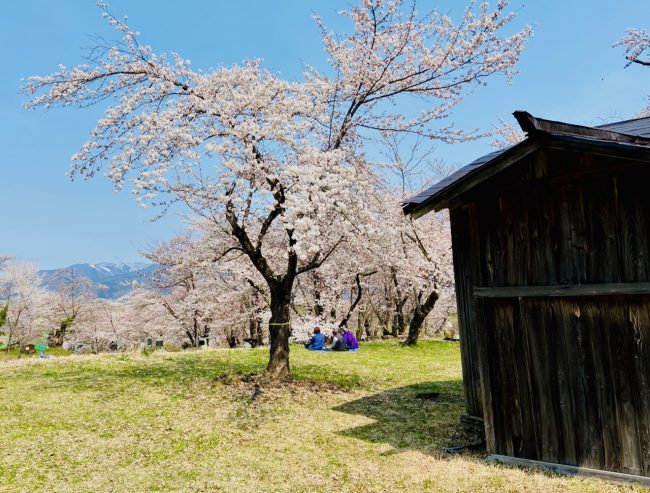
column 15, row 354
column 197, row 422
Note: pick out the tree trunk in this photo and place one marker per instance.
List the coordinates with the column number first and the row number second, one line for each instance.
column 354, row 304
column 190, row 337
column 232, row 340
column 206, row 335
column 195, row 328
column 278, row 367
column 398, row 324
column 357, row 299
column 56, row 337
column 398, row 319
column 319, row 309
column 368, row 329
column 386, row 322
column 255, row 329
column 419, row 315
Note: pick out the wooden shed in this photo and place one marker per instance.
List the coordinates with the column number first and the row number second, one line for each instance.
column 551, row 244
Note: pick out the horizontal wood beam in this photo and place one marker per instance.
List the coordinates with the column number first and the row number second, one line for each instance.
column 572, row 290
column 569, row 470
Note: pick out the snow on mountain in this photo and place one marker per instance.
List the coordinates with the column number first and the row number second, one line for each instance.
column 101, row 268
column 112, row 279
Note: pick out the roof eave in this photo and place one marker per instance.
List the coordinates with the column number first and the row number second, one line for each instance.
column 447, row 197
column 540, row 133
column 441, row 199
column 533, row 125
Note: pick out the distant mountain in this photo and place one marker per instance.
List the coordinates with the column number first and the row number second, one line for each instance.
column 115, row 279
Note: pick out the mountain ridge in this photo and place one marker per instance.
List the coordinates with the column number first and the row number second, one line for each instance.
column 112, row 279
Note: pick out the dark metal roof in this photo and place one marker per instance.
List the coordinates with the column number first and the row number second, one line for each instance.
column 638, row 126
column 454, row 177
column 624, row 134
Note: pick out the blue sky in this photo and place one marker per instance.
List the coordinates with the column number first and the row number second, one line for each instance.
column 569, row 72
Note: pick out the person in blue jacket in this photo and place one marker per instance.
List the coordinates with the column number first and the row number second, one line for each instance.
column 317, row 341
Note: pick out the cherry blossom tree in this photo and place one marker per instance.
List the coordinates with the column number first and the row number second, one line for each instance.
column 73, row 293
column 415, row 259
column 125, row 323
column 99, row 326
column 240, row 297
column 506, row 134
column 282, row 163
column 637, row 45
column 178, row 283
column 210, row 294
column 332, row 292
column 4, row 309
column 28, row 304
column 398, row 269
column 637, row 50
column 141, row 316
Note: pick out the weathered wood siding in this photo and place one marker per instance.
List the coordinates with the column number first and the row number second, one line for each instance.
column 466, row 319
column 564, row 378
column 576, row 222
column 569, row 380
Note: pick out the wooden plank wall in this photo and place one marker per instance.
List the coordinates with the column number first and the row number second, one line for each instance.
column 465, row 302
column 569, row 380
column 557, row 230
column 565, row 378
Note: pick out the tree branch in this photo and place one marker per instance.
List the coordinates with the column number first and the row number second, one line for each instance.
column 253, row 253
column 317, row 261
column 357, row 280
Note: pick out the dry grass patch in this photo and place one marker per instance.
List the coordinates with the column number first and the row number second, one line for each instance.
column 203, row 422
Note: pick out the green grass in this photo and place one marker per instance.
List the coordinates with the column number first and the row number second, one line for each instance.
column 188, row 422
column 15, row 354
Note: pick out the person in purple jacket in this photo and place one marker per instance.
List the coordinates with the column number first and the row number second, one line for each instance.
column 349, row 339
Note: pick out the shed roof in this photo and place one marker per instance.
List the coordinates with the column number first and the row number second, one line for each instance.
column 625, row 136
column 637, row 126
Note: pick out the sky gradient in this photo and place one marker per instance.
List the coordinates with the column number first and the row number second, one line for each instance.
column 569, row 71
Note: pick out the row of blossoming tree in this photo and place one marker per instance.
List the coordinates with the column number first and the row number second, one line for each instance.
column 381, row 282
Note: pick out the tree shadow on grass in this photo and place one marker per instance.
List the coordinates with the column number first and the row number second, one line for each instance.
column 423, row 417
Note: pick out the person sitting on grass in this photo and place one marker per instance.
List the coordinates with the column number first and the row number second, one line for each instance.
column 317, row 341
column 338, row 344
column 349, row 339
